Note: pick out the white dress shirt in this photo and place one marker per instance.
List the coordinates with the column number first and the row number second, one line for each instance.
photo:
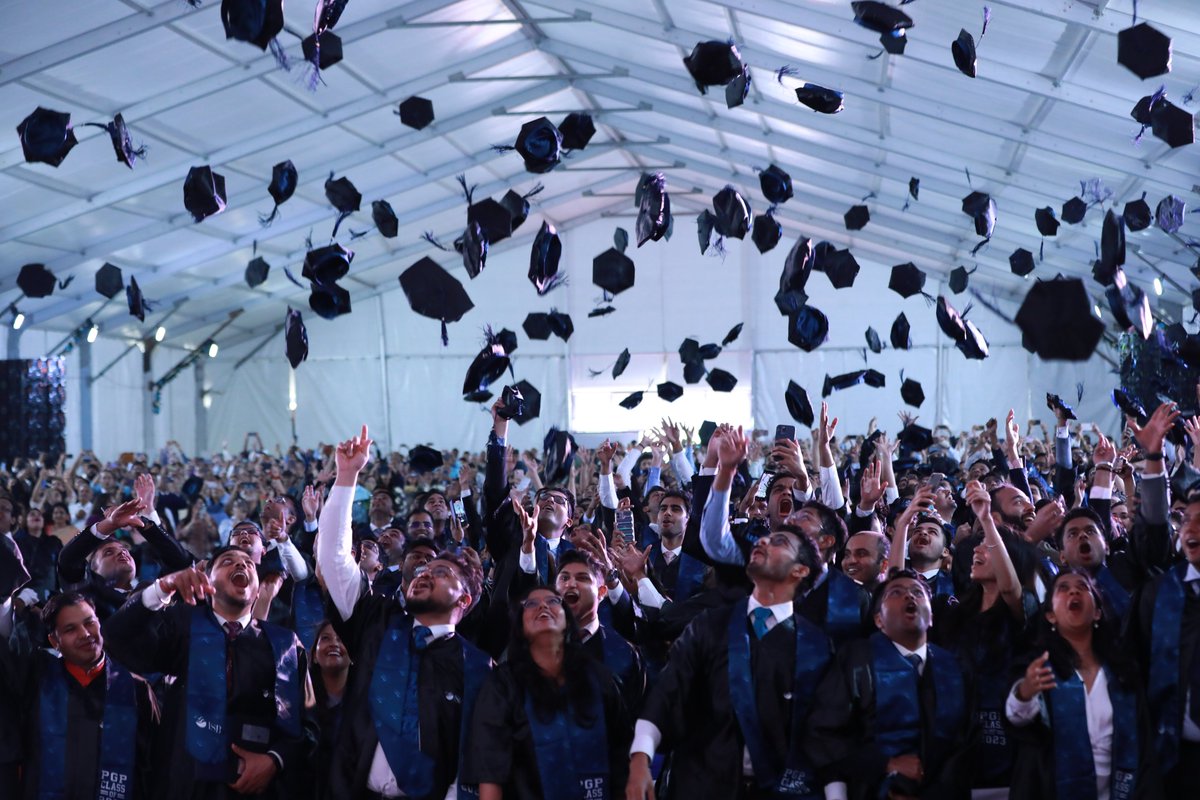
column 528, row 561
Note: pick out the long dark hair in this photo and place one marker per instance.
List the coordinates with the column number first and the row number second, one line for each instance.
column 1106, row 642
column 548, row 698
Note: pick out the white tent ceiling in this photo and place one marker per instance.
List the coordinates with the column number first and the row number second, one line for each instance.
column 1049, row 109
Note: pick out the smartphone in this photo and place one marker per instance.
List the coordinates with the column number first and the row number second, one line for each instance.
column 625, row 524
column 935, row 480
column 459, row 511
column 763, row 485
column 782, row 433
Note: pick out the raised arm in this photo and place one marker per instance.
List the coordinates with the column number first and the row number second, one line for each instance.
column 334, row 557
column 922, row 501
column 1007, row 582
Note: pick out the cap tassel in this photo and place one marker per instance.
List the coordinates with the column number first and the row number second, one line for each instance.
column 557, row 280
column 1042, row 251
column 281, row 58
column 876, row 55
column 468, row 192
column 357, row 234
column 429, row 237
column 64, row 284
column 265, row 220
column 337, row 224
column 980, row 246
column 445, row 335
column 1079, row 392
column 537, row 189
column 987, row 17
column 786, row 71
column 292, row 278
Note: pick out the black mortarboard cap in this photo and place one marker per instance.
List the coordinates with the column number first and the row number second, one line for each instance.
column 342, row 194
column 973, row 345
column 613, row 271
column 766, row 232
column 507, row 340
column 906, row 279
column 963, row 50
column 283, row 182
column 707, row 429
column 720, row 380
column 1172, row 124
column 203, row 192
column 796, row 269
column 327, row 264
column 1144, row 50
column 1112, row 240
column 253, row 21
column 1021, row 262
column 874, row 343
column 517, row 206
column 880, row 17
column 1137, row 215
column 543, row 259
column 654, row 208
column 537, row 325
column 669, row 391
column 731, row 213
column 433, row 292
column 46, row 136
column 486, row 368
column 705, row 221
column 540, row 144
column 257, row 271
column 733, row 334
column 295, row 338
column 532, row 407
column 901, row 333
column 808, row 328
column 135, row 300
column 776, row 185
column 1128, row 405
column 416, row 112
column 958, row 279
column 875, row 379
column 621, row 364
column 473, row 247
column 738, row 89
column 1130, row 305
column 689, row 351
column 561, row 325
column 912, row 393
column 857, row 218
column 329, row 301
column 424, row 459
column 714, row 63
column 822, row 254
column 1047, row 223
column 577, row 130
column 837, row 383
column 330, row 49
column 632, row 401
column 916, row 437
column 109, row 281
column 36, row 281
column 820, row 99
column 894, row 42
column 385, row 219
column 558, row 449
column 798, row 405
column 122, row 143
column 693, row 371
column 950, row 321
column 709, row 351
column 981, row 208
column 1073, row 211
column 842, row 269
column 1170, row 213
column 512, row 402
column 1057, row 322
column 493, row 218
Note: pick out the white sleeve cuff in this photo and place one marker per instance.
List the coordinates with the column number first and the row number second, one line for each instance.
column 95, row 531
column 1062, row 433
column 614, row 595
column 837, row 791
column 527, row 562
column 646, row 738
column 1018, row 711
column 682, row 467
column 154, row 517
column 608, row 491
column 863, row 512
column 708, row 470
column 648, row 594
column 154, row 598
column 1101, row 492
column 310, row 527
column 293, row 561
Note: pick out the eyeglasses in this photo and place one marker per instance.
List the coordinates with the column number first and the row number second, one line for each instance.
column 554, row 497
column 553, row 601
column 439, row 572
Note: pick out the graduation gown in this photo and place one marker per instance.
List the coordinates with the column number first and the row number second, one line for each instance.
column 609, row 648
column 159, row 641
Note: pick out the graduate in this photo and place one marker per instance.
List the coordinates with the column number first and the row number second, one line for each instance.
column 414, row 681
column 739, row 681
column 550, row 723
column 236, row 716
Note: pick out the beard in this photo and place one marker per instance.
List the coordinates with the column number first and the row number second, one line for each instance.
column 424, row 605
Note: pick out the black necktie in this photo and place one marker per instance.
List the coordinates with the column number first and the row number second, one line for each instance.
column 421, row 636
column 915, row 660
column 232, row 629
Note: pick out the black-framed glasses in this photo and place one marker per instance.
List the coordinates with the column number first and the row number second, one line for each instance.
column 553, row 601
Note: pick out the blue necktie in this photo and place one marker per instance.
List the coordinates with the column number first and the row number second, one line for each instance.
column 915, row 660
column 421, row 636
column 758, row 619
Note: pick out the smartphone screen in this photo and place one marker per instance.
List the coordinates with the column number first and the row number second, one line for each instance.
column 459, row 510
column 935, row 480
column 625, row 525
column 785, row 432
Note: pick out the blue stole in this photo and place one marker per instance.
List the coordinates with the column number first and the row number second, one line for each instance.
column 572, row 760
column 207, row 737
column 395, row 707
column 688, row 580
column 118, row 732
column 618, row 654
column 1116, row 595
column 843, row 614
column 1165, row 695
column 795, row 778
column 1074, row 771
column 541, row 556
column 308, row 605
column 898, row 699
column 942, row 584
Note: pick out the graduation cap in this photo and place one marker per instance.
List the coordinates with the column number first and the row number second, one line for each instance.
column 808, row 328
column 791, row 297
column 731, row 213
column 342, row 195
column 1145, row 51
column 558, row 449
column 1057, row 322
column 36, row 281
column 693, row 371
column 613, row 271
column 874, row 343
column 705, row 221
column 329, row 301
column 253, row 21
column 981, row 208
column 915, row 437
column 424, row 459
column 517, row 205
column 906, row 279
column 577, row 130
column 507, row 340
column 714, row 63
column 733, row 334
column 46, row 136
column 1021, row 262
column 689, row 351
column 901, row 333
column 323, row 50
column 493, row 218
column 912, row 393
column 776, row 185
column 122, row 143
column 532, row 407
column 472, row 246
column 295, row 338
column 798, row 405
column 1112, row 241
column 1130, row 407
column 257, row 271
column 203, row 192
column 857, row 218
column 880, row 17
column 135, row 300
column 1130, row 305
column 837, row 383
column 109, row 281
column 328, row 264
column 632, row 401
column 543, row 260
column 537, row 325
column 766, row 232
column 1167, row 121
column 486, row 368
column 1046, row 222
column 1170, row 213
column 416, row 112
column 512, row 402
column 950, row 321
column 1137, row 214
column 973, row 345
column 385, row 219
column 540, row 145
column 875, row 379
column 654, row 208
column 963, row 51
column 709, row 351
column 842, row 269
column 819, row 98
column 282, row 186
column 435, row 293
column 720, row 380
column 1074, row 210
column 560, row 324
column 621, row 364
column 958, row 279
column 738, row 89
column 669, row 391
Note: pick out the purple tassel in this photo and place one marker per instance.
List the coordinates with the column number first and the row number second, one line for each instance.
column 265, row 220
column 281, row 58
column 987, row 17
column 429, row 237
column 786, row 71
column 445, row 335
column 559, row 279
column 468, row 192
column 292, row 278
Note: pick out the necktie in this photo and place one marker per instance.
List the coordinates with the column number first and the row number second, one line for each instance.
column 232, row 629
column 758, row 619
column 668, row 557
column 421, row 636
column 1194, row 585
column 915, row 660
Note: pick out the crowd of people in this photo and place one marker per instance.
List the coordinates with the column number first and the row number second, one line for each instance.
column 704, row 613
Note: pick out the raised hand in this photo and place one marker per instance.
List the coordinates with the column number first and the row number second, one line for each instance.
column 1012, row 437
column 1105, row 452
column 978, row 499
column 125, row 515
column 192, row 584
column 871, row 486
column 310, row 502
column 1039, row 677
column 605, row 453
column 527, row 522
column 352, row 455
column 732, row 448
column 1151, row 436
column 143, row 488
